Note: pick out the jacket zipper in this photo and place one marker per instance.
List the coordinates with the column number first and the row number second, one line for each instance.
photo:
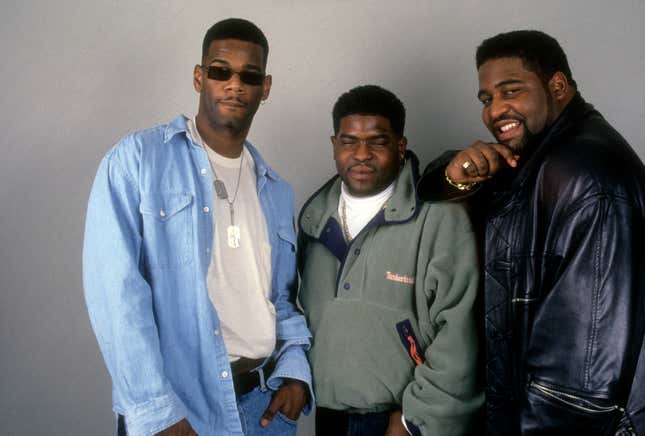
column 563, row 397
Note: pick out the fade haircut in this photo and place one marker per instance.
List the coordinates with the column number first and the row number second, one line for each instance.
column 235, row 28
column 539, row 52
column 370, row 100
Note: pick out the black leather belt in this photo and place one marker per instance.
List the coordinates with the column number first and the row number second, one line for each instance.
column 244, row 378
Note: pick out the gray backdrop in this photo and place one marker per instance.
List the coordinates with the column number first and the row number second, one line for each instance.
column 78, row 75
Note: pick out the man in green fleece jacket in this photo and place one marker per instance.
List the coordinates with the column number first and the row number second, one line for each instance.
column 388, row 286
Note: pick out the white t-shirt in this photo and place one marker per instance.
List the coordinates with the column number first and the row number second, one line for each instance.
column 360, row 210
column 239, row 279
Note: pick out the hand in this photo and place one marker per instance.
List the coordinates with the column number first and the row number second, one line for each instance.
column 395, row 426
column 289, row 400
column 482, row 161
column 182, row 428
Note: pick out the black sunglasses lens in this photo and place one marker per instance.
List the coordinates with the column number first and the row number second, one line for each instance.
column 219, row 73
column 252, row 78
column 222, row 73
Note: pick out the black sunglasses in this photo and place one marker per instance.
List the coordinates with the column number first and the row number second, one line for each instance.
column 215, row 72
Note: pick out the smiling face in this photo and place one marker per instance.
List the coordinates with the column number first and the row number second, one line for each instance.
column 231, row 104
column 517, row 104
column 367, row 153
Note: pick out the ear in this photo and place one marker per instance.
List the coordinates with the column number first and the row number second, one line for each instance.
column 559, row 86
column 334, row 141
column 198, row 77
column 402, row 145
column 266, row 87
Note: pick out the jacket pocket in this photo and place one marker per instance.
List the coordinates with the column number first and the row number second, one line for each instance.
column 167, row 229
column 573, row 401
column 410, row 341
column 551, row 411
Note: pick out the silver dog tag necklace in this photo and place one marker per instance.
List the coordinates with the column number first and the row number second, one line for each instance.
column 233, row 230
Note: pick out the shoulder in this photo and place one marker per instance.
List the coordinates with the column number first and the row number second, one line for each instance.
column 446, row 216
column 592, row 160
column 151, row 148
column 139, row 142
column 317, row 203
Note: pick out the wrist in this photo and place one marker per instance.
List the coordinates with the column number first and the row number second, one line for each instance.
column 460, row 186
column 292, row 382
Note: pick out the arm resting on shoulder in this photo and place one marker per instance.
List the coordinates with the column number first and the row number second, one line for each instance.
column 433, row 185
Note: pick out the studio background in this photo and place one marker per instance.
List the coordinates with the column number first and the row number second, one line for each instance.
column 77, row 76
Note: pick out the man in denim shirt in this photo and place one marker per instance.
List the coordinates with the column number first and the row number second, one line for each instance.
column 189, row 263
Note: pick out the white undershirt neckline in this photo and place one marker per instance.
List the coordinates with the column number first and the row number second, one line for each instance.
column 360, row 210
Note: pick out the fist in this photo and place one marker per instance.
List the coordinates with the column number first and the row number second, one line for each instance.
column 479, row 162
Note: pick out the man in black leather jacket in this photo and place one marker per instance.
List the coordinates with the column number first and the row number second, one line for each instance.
column 560, row 197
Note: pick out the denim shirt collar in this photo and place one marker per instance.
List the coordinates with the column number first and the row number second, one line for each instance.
column 178, row 126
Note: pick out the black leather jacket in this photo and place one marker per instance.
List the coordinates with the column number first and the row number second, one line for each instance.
column 564, row 262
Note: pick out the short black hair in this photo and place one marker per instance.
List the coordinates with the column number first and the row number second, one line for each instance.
column 539, row 52
column 370, row 100
column 235, row 28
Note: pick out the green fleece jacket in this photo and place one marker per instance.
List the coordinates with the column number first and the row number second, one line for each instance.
column 392, row 312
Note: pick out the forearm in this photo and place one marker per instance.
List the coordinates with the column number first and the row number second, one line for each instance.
column 446, row 395
column 291, row 363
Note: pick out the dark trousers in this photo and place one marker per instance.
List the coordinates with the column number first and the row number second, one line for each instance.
column 338, row 423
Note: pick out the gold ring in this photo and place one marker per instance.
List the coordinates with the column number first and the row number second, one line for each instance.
column 465, row 165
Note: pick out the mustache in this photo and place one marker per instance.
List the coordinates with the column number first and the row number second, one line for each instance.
column 507, row 117
column 361, row 164
column 231, row 98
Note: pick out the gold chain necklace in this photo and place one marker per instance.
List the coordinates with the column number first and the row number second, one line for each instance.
column 343, row 218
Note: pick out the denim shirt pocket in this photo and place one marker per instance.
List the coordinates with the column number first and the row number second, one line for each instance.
column 287, row 236
column 167, row 229
column 283, row 264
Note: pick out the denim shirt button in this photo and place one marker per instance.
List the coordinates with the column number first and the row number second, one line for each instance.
column 224, row 374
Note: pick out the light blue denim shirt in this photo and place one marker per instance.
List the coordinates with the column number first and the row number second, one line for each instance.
column 148, row 239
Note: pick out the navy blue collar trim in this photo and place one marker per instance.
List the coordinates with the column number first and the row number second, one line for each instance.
column 332, row 238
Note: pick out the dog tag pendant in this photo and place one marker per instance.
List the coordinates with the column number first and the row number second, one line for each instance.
column 220, row 189
column 233, row 233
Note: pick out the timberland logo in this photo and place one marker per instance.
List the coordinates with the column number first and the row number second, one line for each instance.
column 399, row 278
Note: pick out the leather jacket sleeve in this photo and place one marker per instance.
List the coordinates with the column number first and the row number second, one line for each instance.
column 587, row 333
